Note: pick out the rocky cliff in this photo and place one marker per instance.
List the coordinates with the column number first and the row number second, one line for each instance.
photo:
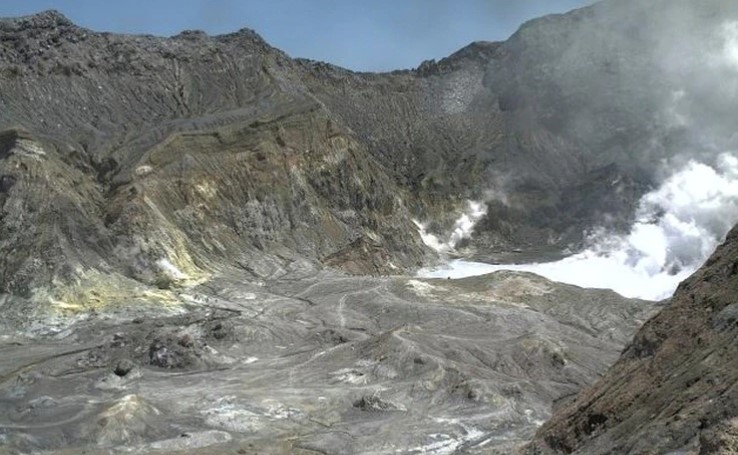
column 163, row 160
column 177, row 216
column 673, row 388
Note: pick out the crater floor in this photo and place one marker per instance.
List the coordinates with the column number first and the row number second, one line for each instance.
column 315, row 363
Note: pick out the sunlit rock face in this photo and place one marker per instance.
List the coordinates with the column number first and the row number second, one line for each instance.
column 222, row 151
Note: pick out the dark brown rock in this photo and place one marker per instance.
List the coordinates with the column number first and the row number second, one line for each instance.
column 674, row 385
column 123, row 367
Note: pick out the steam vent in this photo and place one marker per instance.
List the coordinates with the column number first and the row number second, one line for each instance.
column 211, row 246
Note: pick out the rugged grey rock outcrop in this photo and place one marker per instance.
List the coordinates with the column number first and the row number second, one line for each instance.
column 194, row 150
column 673, row 388
column 177, row 217
column 208, row 151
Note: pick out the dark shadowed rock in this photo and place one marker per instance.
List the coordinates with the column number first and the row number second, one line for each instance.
column 123, row 367
column 375, row 403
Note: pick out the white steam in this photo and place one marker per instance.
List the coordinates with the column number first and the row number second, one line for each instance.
column 677, row 227
column 463, row 228
column 170, row 270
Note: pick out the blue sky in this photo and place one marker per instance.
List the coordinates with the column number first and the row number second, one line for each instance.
column 369, row 35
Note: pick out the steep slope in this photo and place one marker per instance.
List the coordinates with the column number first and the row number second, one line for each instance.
column 440, row 131
column 573, row 101
column 166, row 160
column 674, row 387
column 228, row 151
column 168, row 205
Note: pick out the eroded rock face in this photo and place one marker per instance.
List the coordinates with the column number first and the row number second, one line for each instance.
column 163, row 160
column 166, row 160
column 168, row 206
column 673, row 388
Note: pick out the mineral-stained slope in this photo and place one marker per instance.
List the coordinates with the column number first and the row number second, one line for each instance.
column 673, row 390
column 164, row 160
column 160, row 159
column 133, row 153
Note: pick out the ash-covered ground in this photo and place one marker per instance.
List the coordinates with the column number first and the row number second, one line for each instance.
column 314, row 362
